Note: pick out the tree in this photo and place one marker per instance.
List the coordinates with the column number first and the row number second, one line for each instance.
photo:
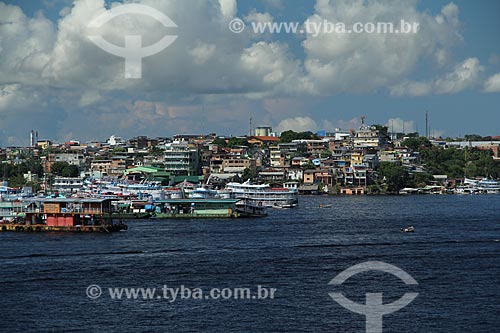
column 289, row 136
column 473, row 137
column 326, row 153
column 383, row 130
column 235, row 141
column 416, row 143
column 247, row 174
column 17, row 181
column 396, row 177
column 58, row 167
column 220, row 142
column 70, row 171
column 156, row 151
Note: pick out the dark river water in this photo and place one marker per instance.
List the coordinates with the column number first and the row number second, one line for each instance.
column 454, row 255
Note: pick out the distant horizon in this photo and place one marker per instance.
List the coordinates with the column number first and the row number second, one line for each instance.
column 104, row 140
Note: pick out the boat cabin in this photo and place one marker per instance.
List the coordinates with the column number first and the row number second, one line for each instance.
column 68, row 211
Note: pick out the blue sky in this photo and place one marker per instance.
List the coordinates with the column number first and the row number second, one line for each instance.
column 53, row 79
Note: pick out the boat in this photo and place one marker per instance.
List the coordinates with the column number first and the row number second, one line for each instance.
column 264, row 194
column 195, row 208
column 10, row 210
column 408, row 229
column 324, row 206
column 488, row 186
column 131, row 209
column 65, row 215
column 248, row 208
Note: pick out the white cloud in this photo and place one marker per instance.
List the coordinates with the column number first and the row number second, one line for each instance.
column 53, row 71
column 298, row 124
column 463, row 76
column 203, row 52
column 493, row 83
column 398, row 125
column 228, row 8
column 367, row 62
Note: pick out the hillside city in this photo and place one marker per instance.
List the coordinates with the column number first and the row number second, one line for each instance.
column 367, row 160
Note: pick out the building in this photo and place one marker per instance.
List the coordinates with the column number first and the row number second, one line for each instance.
column 116, row 141
column 367, row 136
column 181, row 159
column 263, row 131
column 238, row 165
column 100, row 168
column 73, row 159
column 68, row 184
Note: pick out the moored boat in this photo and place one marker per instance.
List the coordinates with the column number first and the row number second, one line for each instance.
column 65, row 215
column 248, row 208
column 195, row 208
column 264, row 194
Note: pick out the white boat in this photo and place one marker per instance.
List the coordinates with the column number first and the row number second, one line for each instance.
column 249, row 208
column 488, row 186
column 408, row 229
column 264, row 194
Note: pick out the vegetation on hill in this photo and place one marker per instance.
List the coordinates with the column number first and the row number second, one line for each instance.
column 459, row 163
column 289, row 136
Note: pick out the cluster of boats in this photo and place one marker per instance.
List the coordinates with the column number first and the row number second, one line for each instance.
column 470, row 186
column 483, row 186
column 140, row 201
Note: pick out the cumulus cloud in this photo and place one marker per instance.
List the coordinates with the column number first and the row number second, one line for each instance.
column 367, row 62
column 297, row 124
column 51, row 72
column 465, row 75
column 398, row 125
column 492, row 84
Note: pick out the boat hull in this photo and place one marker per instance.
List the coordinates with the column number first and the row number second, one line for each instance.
column 45, row 228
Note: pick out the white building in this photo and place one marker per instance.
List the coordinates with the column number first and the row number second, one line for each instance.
column 115, row 141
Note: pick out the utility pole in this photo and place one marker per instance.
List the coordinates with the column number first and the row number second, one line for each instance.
column 427, row 124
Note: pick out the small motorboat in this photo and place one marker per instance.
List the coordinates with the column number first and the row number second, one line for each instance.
column 408, row 229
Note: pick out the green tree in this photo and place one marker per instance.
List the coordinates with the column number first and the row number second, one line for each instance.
column 235, row 141
column 17, row 181
column 70, row 171
column 156, row 151
column 383, row 130
column 473, row 137
column 247, row 174
column 289, row 136
column 220, row 142
column 417, row 143
column 326, row 153
column 58, row 167
column 396, row 177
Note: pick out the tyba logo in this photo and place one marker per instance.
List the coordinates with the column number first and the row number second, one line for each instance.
column 133, row 52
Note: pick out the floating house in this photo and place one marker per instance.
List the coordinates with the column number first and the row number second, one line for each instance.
column 65, row 214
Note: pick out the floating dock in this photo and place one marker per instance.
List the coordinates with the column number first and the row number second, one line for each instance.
column 65, row 215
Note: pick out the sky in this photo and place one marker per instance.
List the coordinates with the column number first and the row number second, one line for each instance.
column 55, row 80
